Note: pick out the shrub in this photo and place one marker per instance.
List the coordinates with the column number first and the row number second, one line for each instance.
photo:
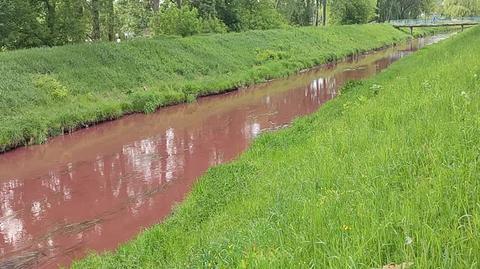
column 172, row 20
column 213, row 25
column 51, row 86
column 268, row 55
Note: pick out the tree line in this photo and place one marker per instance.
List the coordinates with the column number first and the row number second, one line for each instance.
column 34, row 23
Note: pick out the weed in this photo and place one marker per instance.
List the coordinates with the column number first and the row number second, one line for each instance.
column 51, row 86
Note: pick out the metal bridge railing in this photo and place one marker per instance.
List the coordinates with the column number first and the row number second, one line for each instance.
column 435, row 21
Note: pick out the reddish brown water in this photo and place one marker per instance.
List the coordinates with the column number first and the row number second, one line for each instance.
column 99, row 187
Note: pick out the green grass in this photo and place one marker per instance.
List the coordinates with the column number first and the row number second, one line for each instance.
column 388, row 172
column 48, row 91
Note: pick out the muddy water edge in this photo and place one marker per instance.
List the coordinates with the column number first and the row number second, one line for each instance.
column 99, row 187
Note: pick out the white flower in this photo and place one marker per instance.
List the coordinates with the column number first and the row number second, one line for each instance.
column 408, row 240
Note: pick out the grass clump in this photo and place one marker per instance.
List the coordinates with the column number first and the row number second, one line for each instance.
column 51, row 86
column 63, row 88
column 387, row 173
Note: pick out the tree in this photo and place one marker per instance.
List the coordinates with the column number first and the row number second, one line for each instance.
column 50, row 18
column 110, row 20
column 155, row 4
column 133, row 16
column 298, row 12
column 259, row 15
column 95, row 10
column 324, row 8
column 352, row 11
column 239, row 15
column 461, row 8
column 402, row 9
column 19, row 26
column 174, row 20
column 71, row 22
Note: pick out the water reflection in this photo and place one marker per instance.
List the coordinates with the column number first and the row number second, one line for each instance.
column 11, row 227
column 99, row 187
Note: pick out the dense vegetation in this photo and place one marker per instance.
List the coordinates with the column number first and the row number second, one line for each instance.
column 35, row 23
column 48, row 91
column 385, row 173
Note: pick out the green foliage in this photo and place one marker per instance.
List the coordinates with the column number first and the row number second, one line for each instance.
column 369, row 180
column 172, row 20
column 37, row 23
column 352, row 12
column 297, row 12
column 403, row 9
column 106, row 80
column 260, row 15
column 461, row 8
column 213, row 25
column 150, row 101
column 19, row 27
column 132, row 16
column 71, row 26
column 269, row 55
column 51, row 86
column 241, row 15
column 351, row 86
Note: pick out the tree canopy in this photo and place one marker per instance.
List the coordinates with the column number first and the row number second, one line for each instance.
column 461, row 8
column 34, row 23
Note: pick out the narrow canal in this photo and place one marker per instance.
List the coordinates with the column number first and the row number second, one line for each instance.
column 99, row 187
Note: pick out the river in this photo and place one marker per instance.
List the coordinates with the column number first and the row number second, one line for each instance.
column 99, row 187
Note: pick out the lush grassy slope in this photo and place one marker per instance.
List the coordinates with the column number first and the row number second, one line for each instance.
column 44, row 92
column 389, row 172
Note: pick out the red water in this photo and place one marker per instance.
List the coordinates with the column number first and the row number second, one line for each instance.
column 99, row 187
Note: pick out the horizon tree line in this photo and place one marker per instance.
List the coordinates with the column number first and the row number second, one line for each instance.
column 35, row 23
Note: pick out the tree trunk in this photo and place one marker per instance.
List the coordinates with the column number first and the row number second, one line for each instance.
column 155, row 4
column 95, row 19
column 111, row 21
column 50, row 19
column 324, row 12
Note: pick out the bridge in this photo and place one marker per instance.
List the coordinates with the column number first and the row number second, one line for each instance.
column 436, row 22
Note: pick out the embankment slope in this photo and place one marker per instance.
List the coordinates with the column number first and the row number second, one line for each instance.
column 386, row 173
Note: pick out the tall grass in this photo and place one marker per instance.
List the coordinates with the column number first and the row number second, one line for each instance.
column 389, row 172
column 48, row 91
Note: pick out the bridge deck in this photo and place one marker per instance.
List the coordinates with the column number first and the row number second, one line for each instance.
column 435, row 24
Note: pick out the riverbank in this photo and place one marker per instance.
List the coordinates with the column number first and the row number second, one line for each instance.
column 46, row 92
column 385, row 173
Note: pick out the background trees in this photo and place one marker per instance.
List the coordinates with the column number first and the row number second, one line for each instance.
column 461, row 8
column 19, row 26
column 352, row 12
column 403, row 9
column 33, row 23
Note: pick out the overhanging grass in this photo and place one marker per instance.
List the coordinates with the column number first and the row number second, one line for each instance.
column 386, row 173
column 48, row 91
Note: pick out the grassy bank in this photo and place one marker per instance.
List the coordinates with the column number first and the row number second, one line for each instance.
column 386, row 173
column 45, row 92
